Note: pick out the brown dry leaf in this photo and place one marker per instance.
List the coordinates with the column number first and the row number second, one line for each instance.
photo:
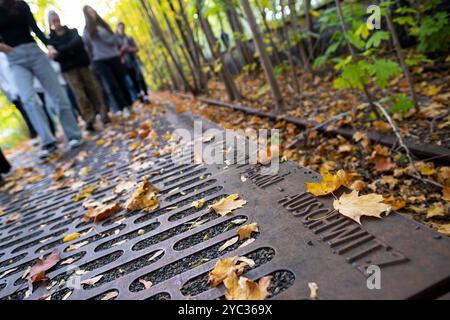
column 145, row 197
column 396, row 204
column 102, row 212
column 2, row 211
column 358, row 185
column 314, row 288
column 13, row 218
column 381, row 126
column 330, row 183
column 134, row 145
column 354, row 206
column 444, row 176
column 37, row 272
column 446, row 194
column 245, row 232
column 382, row 164
column 125, row 186
column 244, row 289
column 389, row 180
column 59, row 174
column 437, row 210
column 227, row 205
column 426, row 168
column 181, row 108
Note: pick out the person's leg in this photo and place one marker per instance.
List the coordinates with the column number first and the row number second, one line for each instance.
column 18, row 103
column 73, row 102
column 5, row 167
column 49, row 80
column 78, row 85
column 45, row 105
column 106, row 73
column 119, row 72
column 24, row 81
column 94, row 93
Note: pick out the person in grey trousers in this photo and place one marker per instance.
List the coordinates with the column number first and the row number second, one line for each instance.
column 27, row 61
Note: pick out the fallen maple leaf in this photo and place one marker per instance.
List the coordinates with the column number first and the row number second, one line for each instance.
column 245, row 289
column 245, row 232
column 102, row 212
column 145, row 197
column 223, row 268
column 445, row 194
column 437, row 210
column 354, row 206
column 227, row 205
column 329, row 184
column 36, row 273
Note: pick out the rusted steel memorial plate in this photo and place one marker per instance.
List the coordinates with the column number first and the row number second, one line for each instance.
column 301, row 238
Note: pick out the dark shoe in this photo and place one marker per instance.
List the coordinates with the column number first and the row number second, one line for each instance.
column 90, row 128
column 106, row 120
column 47, row 151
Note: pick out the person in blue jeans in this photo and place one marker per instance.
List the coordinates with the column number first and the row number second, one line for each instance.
column 27, row 61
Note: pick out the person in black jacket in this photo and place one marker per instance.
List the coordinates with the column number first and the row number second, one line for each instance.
column 74, row 61
column 5, row 167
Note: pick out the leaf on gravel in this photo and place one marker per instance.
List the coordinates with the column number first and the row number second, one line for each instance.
column 354, row 206
column 110, row 295
column 229, row 243
column 145, row 197
column 245, row 232
column 227, row 205
column 71, row 237
column 395, row 203
column 2, row 211
column 244, row 289
column 77, row 246
column 156, row 255
column 329, row 184
column 147, row 284
column 102, row 212
column 92, row 281
column 37, row 272
column 314, row 290
column 247, row 243
column 444, row 229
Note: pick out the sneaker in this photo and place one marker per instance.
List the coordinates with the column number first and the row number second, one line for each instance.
column 47, row 151
column 75, row 143
column 126, row 112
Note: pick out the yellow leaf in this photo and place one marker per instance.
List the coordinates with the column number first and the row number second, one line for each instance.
column 245, row 232
column 330, row 183
column 85, row 193
column 354, row 206
column 222, row 269
column 245, row 289
column 314, row 290
column 199, row 203
column 396, row 204
column 431, row 90
column 227, row 205
column 145, row 197
column 71, row 237
column 427, row 169
column 445, row 229
column 102, row 212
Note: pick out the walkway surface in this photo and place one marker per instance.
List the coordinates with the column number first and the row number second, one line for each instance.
column 166, row 253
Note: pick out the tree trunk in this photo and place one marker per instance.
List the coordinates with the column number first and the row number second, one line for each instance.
column 214, row 46
column 309, row 28
column 263, row 56
column 269, row 30
column 159, row 33
column 288, row 51
column 301, row 48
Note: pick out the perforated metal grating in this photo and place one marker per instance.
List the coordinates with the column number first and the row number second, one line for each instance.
column 301, row 239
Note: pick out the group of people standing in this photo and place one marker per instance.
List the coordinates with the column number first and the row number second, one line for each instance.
column 101, row 68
